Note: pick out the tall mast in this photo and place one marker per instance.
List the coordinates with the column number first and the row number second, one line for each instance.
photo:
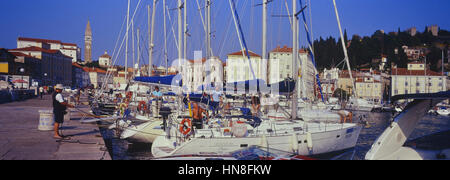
column 132, row 46
column 264, row 30
column 180, row 34
column 345, row 50
column 126, row 44
column 165, row 38
column 150, row 63
column 185, row 30
column 138, row 53
column 208, row 28
column 294, row 59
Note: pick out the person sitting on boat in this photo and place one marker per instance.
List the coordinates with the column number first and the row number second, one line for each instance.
column 197, row 115
column 346, row 116
column 256, row 105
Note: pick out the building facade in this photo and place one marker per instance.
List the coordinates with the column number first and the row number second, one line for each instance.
column 68, row 49
column 105, row 60
column 202, row 72
column 417, row 79
column 280, row 68
column 56, row 68
column 238, row 67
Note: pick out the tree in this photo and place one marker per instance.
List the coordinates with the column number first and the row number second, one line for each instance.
column 341, row 94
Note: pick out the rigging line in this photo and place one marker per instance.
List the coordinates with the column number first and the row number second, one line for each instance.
column 123, row 40
column 173, row 30
column 311, row 24
column 239, row 31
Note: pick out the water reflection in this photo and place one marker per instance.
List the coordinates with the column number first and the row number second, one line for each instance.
column 374, row 124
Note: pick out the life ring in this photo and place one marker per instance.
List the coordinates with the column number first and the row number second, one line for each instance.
column 142, row 106
column 129, row 95
column 185, row 130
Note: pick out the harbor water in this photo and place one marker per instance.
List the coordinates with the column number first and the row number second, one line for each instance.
column 373, row 125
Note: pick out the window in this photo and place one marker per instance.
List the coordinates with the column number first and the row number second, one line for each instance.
column 406, row 91
column 418, row 84
column 287, row 67
column 406, row 83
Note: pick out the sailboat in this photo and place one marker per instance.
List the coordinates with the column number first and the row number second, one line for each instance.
column 224, row 135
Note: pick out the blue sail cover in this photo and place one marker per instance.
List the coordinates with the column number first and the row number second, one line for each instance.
column 164, row 80
column 286, row 86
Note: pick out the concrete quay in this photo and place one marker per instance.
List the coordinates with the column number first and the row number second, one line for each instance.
column 20, row 138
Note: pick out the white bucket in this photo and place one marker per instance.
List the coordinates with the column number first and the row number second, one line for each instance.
column 46, row 120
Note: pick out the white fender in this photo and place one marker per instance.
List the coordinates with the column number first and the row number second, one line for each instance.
column 294, row 143
column 309, row 139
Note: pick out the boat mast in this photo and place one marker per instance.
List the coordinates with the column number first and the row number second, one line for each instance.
column 132, row 47
column 151, row 32
column 138, row 54
column 264, row 31
column 345, row 50
column 185, row 30
column 180, row 34
column 165, row 38
column 208, row 28
column 294, row 60
column 126, row 44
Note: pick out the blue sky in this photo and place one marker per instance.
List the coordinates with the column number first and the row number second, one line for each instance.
column 66, row 20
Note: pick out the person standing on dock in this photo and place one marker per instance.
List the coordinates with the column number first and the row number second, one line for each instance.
column 59, row 109
column 41, row 91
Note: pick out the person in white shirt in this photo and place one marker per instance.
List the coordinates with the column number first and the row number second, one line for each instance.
column 59, row 109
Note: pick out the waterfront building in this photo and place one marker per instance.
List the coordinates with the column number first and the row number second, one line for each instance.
column 280, row 68
column 68, row 49
column 238, row 67
column 80, row 78
column 97, row 76
column 202, row 72
column 417, row 79
column 56, row 68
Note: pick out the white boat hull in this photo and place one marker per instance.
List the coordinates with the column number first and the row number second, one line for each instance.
column 322, row 142
column 144, row 133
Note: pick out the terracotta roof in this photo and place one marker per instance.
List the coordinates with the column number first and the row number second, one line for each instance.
column 39, row 40
column 69, row 49
column 33, row 48
column 19, row 54
column 45, row 41
column 239, row 53
column 69, row 44
column 97, row 70
column 359, row 80
column 77, row 65
column 203, row 60
column 286, row 49
column 105, row 56
column 406, row 72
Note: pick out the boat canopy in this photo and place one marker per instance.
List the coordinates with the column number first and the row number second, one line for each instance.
column 163, row 80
